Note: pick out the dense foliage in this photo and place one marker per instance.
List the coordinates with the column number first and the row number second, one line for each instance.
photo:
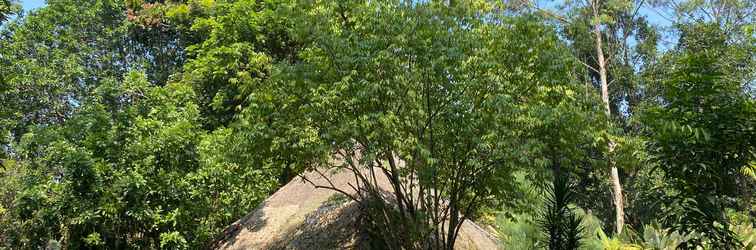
column 704, row 129
column 156, row 124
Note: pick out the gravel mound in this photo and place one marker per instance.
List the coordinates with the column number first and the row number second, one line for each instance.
column 300, row 216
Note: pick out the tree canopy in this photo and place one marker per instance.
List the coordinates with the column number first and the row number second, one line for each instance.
column 157, row 124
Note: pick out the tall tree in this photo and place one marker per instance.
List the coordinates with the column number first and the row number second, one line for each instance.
column 588, row 24
column 601, row 59
column 433, row 96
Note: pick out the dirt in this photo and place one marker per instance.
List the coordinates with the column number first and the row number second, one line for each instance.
column 301, row 216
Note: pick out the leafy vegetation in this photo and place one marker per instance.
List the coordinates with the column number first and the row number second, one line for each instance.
column 705, row 131
column 562, row 225
column 576, row 124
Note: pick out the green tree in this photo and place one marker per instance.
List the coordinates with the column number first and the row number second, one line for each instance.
column 702, row 131
column 432, row 95
column 244, row 40
column 8, row 8
column 133, row 168
column 54, row 57
column 618, row 47
column 97, row 155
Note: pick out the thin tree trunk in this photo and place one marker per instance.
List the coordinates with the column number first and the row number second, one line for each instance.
column 616, row 186
column 453, row 221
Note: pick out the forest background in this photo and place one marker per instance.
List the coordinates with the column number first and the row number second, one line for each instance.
column 594, row 124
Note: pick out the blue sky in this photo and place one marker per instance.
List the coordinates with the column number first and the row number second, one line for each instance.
column 32, row 4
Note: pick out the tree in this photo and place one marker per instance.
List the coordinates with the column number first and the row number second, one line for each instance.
column 618, row 47
column 243, row 42
column 102, row 149
column 734, row 18
column 600, row 14
column 435, row 104
column 616, row 185
column 7, row 8
column 425, row 118
column 730, row 16
column 702, row 131
column 54, row 57
column 155, row 124
column 133, row 168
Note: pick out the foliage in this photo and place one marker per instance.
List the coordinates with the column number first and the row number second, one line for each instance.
column 53, row 58
column 519, row 232
column 517, row 227
column 614, row 243
column 132, row 169
column 243, row 40
column 628, row 48
column 746, row 234
column 7, row 9
column 443, row 119
column 703, row 134
column 560, row 224
column 96, row 154
column 418, row 115
column 154, row 124
column 662, row 239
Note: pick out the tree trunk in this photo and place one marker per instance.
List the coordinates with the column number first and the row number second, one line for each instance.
column 616, row 186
